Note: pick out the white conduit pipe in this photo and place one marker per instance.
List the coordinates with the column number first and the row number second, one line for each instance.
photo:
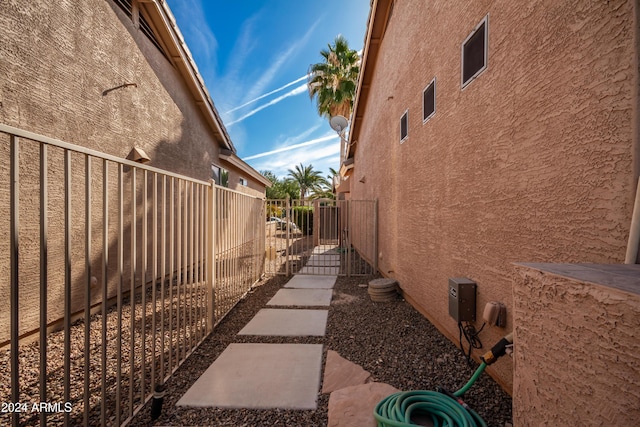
column 634, row 232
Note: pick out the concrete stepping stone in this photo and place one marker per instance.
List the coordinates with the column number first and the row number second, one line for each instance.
column 325, row 249
column 260, row 376
column 320, row 270
column 287, row 322
column 302, row 297
column 327, row 260
column 353, row 406
column 300, row 281
column 340, row 373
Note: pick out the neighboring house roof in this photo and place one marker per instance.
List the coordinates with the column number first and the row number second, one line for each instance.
column 231, row 158
column 378, row 19
column 163, row 24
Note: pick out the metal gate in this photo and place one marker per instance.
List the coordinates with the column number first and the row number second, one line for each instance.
column 322, row 236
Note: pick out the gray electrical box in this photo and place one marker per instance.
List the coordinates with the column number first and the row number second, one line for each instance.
column 462, row 299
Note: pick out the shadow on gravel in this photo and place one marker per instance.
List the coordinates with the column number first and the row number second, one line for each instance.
column 392, row 341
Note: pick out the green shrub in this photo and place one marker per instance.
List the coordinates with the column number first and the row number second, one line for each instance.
column 274, row 210
column 302, row 216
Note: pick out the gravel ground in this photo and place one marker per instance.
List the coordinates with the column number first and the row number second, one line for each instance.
column 392, row 341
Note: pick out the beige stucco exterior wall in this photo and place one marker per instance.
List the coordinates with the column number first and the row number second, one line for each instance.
column 532, row 161
column 577, row 356
column 62, row 63
column 59, row 59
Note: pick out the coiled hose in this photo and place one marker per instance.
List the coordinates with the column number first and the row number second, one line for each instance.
column 445, row 411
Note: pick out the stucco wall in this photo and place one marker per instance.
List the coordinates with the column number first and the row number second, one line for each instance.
column 577, row 355
column 62, row 67
column 532, row 161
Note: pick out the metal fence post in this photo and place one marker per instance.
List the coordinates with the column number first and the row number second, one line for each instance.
column 211, row 256
column 288, row 219
column 375, row 236
column 13, row 293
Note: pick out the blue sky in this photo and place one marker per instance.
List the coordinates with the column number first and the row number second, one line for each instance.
column 254, row 56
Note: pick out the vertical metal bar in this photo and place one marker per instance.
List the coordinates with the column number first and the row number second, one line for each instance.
column 230, row 234
column 67, row 281
column 224, row 254
column 171, row 265
column 225, row 207
column 222, row 229
column 198, row 257
column 87, row 291
column 216, row 256
column 348, row 251
column 120, row 256
column 242, row 217
column 287, row 218
column 178, row 266
column 163, row 268
column 143, row 285
column 375, row 236
column 238, row 216
column 154, row 275
column 44, row 259
column 185, row 266
column 105, row 270
column 200, row 263
column 231, row 248
column 261, row 242
column 15, row 257
column 210, row 254
column 197, row 266
column 222, row 291
column 132, row 295
column 203, row 263
column 192, row 262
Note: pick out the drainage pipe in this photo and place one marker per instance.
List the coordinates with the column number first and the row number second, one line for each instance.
column 634, row 232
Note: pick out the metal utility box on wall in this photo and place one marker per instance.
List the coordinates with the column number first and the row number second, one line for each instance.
column 462, row 299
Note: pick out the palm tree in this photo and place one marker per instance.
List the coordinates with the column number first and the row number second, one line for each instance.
column 322, row 190
column 306, row 178
column 332, row 176
column 280, row 187
column 333, row 82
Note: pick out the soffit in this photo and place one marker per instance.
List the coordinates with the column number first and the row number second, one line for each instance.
column 378, row 18
column 162, row 22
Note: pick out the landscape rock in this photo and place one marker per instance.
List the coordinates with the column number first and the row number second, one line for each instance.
column 340, row 373
column 353, row 406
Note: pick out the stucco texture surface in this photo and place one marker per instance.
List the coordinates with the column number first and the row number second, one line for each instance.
column 63, row 68
column 532, row 161
column 577, row 356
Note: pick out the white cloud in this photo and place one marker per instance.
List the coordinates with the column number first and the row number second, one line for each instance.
column 291, row 147
column 321, row 157
column 297, row 91
column 298, row 80
column 279, row 60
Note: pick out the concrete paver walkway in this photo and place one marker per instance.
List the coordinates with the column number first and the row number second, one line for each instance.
column 302, row 297
column 261, row 375
column 301, row 281
column 287, row 322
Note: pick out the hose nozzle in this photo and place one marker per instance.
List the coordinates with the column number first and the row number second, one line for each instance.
column 498, row 350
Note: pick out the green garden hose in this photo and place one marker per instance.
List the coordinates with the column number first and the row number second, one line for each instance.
column 445, row 411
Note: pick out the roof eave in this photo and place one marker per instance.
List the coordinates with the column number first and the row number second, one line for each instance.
column 378, row 17
column 179, row 55
column 231, row 158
